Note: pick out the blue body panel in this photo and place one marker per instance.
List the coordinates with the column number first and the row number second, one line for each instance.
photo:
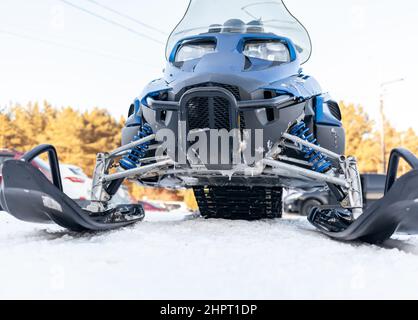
column 228, row 60
column 228, row 65
column 323, row 115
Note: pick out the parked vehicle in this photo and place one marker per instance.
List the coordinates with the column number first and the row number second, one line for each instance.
column 122, row 196
column 373, row 186
column 176, row 206
column 150, row 206
column 38, row 163
column 76, row 184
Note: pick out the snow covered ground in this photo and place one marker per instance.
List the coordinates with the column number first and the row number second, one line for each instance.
column 171, row 256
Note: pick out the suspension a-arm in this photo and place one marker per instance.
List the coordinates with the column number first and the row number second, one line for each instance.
column 339, row 172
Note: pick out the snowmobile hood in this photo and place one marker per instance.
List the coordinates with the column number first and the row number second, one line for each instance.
column 228, row 59
column 241, row 17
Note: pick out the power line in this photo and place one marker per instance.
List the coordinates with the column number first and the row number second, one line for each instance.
column 112, row 22
column 65, row 46
column 127, row 17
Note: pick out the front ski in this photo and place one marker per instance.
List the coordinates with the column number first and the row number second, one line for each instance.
column 29, row 196
column 397, row 211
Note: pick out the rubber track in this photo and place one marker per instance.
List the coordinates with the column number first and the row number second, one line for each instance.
column 239, row 203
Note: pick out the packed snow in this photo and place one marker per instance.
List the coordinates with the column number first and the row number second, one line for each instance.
column 181, row 256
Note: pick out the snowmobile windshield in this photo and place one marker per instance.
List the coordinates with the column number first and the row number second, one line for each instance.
column 241, row 16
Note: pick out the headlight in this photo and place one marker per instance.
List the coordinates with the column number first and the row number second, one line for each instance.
column 194, row 50
column 274, row 51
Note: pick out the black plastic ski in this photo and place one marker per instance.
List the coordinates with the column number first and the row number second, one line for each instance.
column 397, row 211
column 29, row 196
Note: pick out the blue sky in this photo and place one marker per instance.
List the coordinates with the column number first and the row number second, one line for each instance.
column 50, row 50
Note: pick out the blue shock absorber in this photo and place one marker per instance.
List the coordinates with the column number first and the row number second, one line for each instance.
column 133, row 159
column 319, row 161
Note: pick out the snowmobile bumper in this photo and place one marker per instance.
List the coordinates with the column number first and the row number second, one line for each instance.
column 29, row 196
column 397, row 211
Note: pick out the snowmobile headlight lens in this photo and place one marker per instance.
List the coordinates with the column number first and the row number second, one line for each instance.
column 274, row 51
column 194, row 50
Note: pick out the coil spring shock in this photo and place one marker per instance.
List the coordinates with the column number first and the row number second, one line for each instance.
column 133, row 159
column 319, row 161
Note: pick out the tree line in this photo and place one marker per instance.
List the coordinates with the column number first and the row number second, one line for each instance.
column 364, row 139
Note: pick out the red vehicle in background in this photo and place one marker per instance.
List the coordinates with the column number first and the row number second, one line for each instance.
column 153, row 207
column 6, row 154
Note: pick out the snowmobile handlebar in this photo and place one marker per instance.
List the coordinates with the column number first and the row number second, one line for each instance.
column 53, row 161
column 395, row 157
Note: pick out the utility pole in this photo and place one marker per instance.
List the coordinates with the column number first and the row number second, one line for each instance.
column 382, row 134
column 383, row 87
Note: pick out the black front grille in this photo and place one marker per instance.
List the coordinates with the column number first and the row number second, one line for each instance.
column 334, row 108
column 221, row 115
column 242, row 123
column 208, row 113
column 198, row 113
column 233, row 89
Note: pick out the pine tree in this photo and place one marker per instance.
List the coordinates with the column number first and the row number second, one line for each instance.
column 63, row 131
column 32, row 123
column 361, row 140
column 11, row 136
column 392, row 140
column 99, row 132
column 409, row 140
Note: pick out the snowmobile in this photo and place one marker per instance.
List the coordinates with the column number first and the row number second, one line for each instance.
column 236, row 119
